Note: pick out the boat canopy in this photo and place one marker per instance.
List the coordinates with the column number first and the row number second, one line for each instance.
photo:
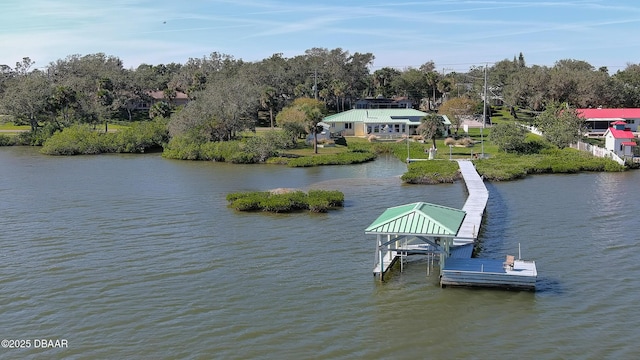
column 420, row 219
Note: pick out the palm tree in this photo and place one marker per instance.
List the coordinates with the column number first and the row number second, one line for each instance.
column 430, row 127
column 314, row 116
column 268, row 101
column 432, row 81
column 444, row 86
column 339, row 88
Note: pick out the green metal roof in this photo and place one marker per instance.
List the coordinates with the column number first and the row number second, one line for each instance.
column 418, row 219
column 380, row 116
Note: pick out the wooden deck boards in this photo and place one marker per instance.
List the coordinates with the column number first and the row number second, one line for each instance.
column 474, row 206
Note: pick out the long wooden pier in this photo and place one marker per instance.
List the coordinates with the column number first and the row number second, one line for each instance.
column 474, row 206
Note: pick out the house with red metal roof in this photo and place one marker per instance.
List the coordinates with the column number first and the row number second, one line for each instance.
column 620, row 139
column 598, row 120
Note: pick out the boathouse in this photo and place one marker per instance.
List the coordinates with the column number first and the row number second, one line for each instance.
column 417, row 228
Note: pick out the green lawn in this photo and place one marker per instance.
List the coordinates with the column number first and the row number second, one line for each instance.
column 416, row 149
column 11, row 127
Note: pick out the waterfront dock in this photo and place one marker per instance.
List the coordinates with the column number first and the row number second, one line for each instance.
column 450, row 234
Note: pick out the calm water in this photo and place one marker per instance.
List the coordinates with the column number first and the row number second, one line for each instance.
column 138, row 257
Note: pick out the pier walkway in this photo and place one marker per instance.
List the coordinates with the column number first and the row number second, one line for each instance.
column 474, row 206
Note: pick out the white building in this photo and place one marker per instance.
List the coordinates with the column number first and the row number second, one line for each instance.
column 620, row 139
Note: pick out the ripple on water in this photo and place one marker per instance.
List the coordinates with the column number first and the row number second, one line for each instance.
column 145, row 260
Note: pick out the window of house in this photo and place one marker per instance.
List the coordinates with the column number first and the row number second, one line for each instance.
column 348, row 125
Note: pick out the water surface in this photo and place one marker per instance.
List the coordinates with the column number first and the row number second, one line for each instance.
column 135, row 256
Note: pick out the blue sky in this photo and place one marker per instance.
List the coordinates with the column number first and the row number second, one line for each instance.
column 455, row 34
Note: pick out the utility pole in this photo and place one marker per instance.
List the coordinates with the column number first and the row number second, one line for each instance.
column 315, row 84
column 484, row 109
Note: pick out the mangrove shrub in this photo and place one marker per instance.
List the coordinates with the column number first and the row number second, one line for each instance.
column 314, row 201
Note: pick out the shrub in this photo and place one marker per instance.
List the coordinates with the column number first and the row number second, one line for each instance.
column 6, row 140
column 345, row 158
column 74, row 140
column 297, row 199
column 219, row 150
column 38, row 136
column 183, row 148
column 260, row 148
column 278, row 160
column 83, row 139
column 509, row 137
column 276, row 204
column 319, row 205
column 242, row 158
column 316, row 201
column 210, row 151
column 328, row 197
column 139, row 137
column 247, row 204
column 281, row 139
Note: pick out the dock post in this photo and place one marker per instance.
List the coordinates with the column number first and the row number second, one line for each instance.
column 378, row 257
column 381, row 259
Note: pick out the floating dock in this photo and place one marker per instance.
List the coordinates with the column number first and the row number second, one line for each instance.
column 434, row 230
column 521, row 275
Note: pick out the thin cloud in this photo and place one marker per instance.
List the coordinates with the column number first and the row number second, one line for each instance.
column 478, row 30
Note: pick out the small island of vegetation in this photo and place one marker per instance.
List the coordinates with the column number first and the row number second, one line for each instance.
column 283, row 200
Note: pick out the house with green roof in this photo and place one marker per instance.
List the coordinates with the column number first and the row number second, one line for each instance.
column 385, row 123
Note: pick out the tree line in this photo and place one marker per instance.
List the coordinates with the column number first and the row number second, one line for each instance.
column 228, row 95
